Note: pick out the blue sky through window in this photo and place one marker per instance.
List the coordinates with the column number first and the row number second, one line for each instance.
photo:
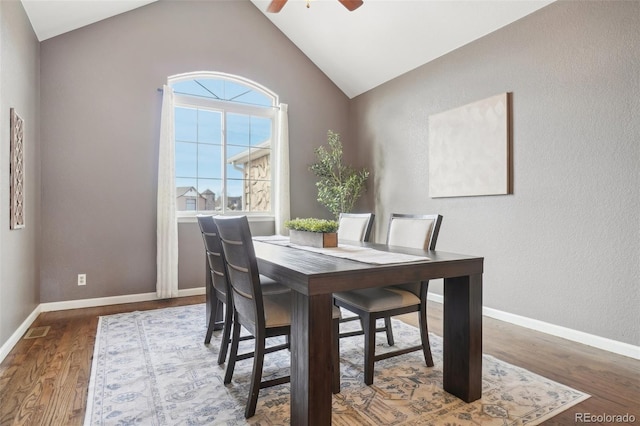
column 203, row 135
column 224, row 90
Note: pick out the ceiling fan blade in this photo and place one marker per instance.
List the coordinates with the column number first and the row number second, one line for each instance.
column 351, row 4
column 276, row 5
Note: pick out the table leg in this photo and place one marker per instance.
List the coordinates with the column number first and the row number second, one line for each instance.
column 311, row 359
column 462, row 368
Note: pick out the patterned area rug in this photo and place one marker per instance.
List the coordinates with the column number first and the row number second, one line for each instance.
column 151, row 368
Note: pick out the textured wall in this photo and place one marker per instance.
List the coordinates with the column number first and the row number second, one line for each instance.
column 19, row 89
column 100, row 121
column 565, row 247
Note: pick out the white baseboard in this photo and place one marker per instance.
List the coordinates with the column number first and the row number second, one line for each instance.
column 84, row 303
column 17, row 335
column 603, row 343
column 113, row 300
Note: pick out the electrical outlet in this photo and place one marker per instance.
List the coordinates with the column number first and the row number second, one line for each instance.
column 82, row 279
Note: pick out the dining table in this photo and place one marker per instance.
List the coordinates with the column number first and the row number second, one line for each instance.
column 314, row 276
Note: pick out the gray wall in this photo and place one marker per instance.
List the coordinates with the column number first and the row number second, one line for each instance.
column 19, row 89
column 565, row 247
column 100, row 121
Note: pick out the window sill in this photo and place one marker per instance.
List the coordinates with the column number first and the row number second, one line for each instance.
column 252, row 218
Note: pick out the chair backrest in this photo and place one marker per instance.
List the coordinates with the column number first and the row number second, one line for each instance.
column 242, row 268
column 414, row 230
column 215, row 256
column 355, row 226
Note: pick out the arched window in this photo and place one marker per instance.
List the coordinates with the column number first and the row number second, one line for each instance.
column 225, row 132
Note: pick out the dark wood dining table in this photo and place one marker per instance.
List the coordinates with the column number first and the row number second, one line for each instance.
column 313, row 277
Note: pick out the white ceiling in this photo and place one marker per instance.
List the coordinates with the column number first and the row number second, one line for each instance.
column 50, row 18
column 357, row 50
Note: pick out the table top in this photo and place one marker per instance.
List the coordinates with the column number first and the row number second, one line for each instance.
column 313, row 273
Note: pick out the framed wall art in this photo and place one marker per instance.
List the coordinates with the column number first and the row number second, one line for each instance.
column 470, row 149
column 16, row 171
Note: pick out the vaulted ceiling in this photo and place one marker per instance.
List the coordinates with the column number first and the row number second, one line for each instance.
column 357, row 50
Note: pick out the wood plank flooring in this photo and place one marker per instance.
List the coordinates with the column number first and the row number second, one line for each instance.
column 43, row 381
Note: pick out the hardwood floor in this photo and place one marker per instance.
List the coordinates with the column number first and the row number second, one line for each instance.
column 43, row 381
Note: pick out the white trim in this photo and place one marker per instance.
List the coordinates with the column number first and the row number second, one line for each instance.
column 191, row 292
column 224, row 76
column 599, row 342
column 189, row 101
column 17, row 335
column 193, row 218
column 83, row 303
column 603, row 343
column 113, row 300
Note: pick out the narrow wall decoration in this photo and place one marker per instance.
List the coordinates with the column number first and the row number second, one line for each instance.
column 470, row 149
column 16, row 170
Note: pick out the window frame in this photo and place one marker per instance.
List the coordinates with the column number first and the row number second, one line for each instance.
column 226, row 107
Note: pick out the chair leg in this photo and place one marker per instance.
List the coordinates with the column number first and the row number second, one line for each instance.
column 224, row 344
column 369, row 347
column 256, row 377
column 233, row 354
column 389, row 330
column 424, row 335
column 335, row 354
column 214, row 305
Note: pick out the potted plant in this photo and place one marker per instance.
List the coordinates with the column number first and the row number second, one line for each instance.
column 313, row 232
column 339, row 186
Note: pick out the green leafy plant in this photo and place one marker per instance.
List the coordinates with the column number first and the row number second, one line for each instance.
column 339, row 186
column 312, row 225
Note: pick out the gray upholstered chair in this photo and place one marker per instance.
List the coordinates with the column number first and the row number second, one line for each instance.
column 414, row 231
column 218, row 287
column 263, row 315
column 355, row 226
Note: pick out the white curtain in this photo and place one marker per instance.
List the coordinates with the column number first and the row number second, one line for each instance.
column 282, row 202
column 167, row 226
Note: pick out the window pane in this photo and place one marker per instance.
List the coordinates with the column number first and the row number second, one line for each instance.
column 259, row 164
column 258, row 187
column 233, row 90
column 186, row 159
column 237, row 153
column 213, row 87
column 209, row 126
column 211, row 190
column 260, row 130
column 235, row 171
column 238, row 129
column 234, row 194
column 185, row 183
column 190, row 87
column 255, row 98
column 258, row 195
column 222, row 90
column 186, row 120
column 209, row 161
column 237, row 159
column 223, row 166
column 185, row 191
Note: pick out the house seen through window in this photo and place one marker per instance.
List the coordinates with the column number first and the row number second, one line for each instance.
column 224, row 128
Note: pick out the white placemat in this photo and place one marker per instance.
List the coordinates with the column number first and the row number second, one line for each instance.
column 344, row 251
